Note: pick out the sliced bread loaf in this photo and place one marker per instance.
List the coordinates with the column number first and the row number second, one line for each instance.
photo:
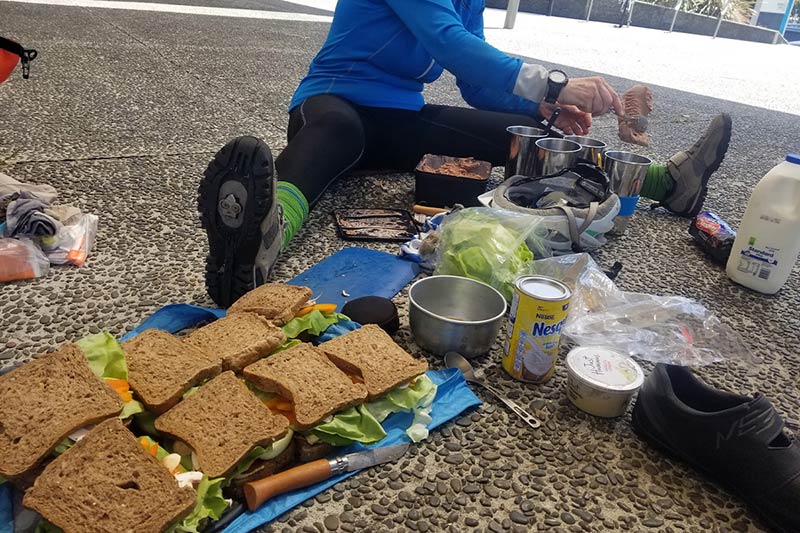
column 370, row 352
column 222, row 422
column 238, row 339
column 274, row 301
column 305, row 376
column 108, row 483
column 161, row 368
column 43, row 401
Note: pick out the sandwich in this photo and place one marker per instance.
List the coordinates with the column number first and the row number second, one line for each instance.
column 331, row 405
column 276, row 302
column 162, row 368
column 238, row 339
column 222, row 424
column 46, row 400
column 314, row 386
column 108, row 483
column 370, row 354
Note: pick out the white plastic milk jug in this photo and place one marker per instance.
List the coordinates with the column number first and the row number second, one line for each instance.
column 768, row 241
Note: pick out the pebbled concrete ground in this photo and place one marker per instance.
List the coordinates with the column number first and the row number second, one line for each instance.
column 122, row 115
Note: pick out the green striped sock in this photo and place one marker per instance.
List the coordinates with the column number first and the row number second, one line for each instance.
column 657, row 184
column 295, row 209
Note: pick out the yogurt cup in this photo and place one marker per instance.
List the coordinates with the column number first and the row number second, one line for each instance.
column 601, row 381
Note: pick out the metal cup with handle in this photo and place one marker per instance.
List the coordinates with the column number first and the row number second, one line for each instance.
column 553, row 155
column 522, row 151
column 627, row 172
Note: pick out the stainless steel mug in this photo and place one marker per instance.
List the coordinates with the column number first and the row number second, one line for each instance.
column 591, row 149
column 627, row 172
column 522, row 152
column 553, row 155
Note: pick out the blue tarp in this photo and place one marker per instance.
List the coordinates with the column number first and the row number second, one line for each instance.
column 452, row 398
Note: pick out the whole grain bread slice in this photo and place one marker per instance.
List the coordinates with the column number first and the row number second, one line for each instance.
column 274, row 301
column 370, row 352
column 302, row 374
column 238, row 339
column 108, row 483
column 161, row 368
column 43, row 401
column 222, row 422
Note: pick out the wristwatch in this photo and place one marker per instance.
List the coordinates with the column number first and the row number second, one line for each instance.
column 556, row 81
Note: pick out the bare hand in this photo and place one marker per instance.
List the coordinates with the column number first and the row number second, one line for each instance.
column 572, row 121
column 591, row 95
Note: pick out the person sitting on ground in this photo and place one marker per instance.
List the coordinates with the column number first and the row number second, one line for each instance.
column 361, row 107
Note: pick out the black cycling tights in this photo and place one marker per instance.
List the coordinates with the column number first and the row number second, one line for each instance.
column 329, row 136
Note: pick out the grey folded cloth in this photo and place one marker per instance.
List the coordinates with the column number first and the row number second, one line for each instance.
column 9, row 185
column 26, row 216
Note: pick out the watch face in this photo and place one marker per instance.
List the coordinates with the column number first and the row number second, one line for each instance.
column 556, row 76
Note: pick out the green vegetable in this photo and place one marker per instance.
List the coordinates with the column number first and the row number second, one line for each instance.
column 291, row 343
column 46, row 527
column 210, row 504
column 263, row 396
column 477, row 245
column 262, row 453
column 107, row 360
column 131, row 408
column 314, row 323
column 417, row 397
column 355, row 424
column 362, row 423
column 105, row 356
column 160, row 452
column 63, row 446
column 190, row 392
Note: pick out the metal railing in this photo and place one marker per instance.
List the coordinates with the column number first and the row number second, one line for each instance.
column 513, row 8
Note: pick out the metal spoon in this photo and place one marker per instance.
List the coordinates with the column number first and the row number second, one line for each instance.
column 456, row 360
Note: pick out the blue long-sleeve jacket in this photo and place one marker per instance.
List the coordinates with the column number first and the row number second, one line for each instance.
column 380, row 53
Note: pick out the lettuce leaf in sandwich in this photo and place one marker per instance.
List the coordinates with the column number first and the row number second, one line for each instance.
column 210, row 504
column 107, row 360
column 362, row 423
column 352, row 423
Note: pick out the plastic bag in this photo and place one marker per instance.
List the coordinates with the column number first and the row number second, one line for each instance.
column 73, row 242
column 489, row 245
column 21, row 259
column 661, row 329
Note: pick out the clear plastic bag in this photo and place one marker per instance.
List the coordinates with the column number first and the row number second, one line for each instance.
column 73, row 242
column 661, row 329
column 489, row 245
column 21, row 259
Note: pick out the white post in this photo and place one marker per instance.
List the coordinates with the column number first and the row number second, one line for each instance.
column 511, row 14
column 675, row 16
column 589, row 9
column 630, row 13
column 721, row 14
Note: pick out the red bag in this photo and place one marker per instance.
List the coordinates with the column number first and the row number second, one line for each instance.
column 12, row 53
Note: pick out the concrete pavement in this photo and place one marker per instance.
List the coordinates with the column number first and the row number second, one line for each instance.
column 122, row 114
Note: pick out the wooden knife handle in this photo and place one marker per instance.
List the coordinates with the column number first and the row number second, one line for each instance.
column 428, row 210
column 261, row 490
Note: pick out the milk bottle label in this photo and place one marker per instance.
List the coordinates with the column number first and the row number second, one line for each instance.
column 758, row 261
